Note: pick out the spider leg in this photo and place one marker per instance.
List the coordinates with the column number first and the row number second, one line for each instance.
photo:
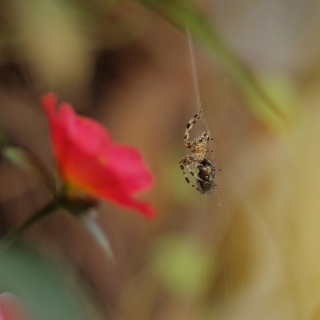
column 210, row 139
column 190, row 124
column 188, row 160
column 193, row 173
column 187, row 178
column 201, row 138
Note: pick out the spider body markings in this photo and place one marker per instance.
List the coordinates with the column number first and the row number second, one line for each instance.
column 207, row 173
column 205, row 177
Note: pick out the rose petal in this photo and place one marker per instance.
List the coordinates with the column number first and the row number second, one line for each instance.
column 127, row 163
column 144, row 207
column 88, row 160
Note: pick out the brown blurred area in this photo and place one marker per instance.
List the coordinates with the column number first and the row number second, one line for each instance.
column 128, row 68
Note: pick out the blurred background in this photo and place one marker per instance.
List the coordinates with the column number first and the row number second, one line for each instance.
column 248, row 251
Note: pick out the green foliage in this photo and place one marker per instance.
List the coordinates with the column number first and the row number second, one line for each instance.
column 96, row 232
column 39, row 287
column 183, row 266
column 185, row 14
column 27, row 161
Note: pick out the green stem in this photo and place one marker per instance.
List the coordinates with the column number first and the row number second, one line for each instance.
column 43, row 213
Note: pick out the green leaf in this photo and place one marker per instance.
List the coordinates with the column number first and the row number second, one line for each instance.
column 27, row 161
column 41, row 286
column 89, row 222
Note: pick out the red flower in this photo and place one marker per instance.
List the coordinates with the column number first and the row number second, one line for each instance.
column 88, row 160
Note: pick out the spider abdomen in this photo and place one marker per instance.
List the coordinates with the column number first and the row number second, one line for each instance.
column 207, row 174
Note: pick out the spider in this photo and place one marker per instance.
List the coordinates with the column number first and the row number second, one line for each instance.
column 207, row 171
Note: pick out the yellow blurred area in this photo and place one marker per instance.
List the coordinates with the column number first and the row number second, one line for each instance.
column 250, row 250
